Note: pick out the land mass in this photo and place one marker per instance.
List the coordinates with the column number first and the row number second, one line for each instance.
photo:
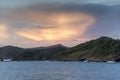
column 41, row 53
column 101, row 49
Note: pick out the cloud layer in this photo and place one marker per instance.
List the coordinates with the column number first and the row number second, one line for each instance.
column 60, row 26
column 50, row 23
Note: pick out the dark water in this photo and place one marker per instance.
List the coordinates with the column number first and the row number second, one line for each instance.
column 36, row 70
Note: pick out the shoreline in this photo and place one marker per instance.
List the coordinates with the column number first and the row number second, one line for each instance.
column 62, row 61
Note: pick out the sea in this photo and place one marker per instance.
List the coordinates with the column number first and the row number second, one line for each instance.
column 55, row 70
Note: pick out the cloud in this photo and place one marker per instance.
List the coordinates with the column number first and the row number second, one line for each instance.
column 105, row 2
column 3, row 32
column 66, row 26
column 70, row 24
column 23, row 3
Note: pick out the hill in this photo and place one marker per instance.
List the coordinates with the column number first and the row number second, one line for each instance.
column 40, row 53
column 101, row 49
column 10, row 51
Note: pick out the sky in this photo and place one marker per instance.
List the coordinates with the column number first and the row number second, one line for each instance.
column 34, row 23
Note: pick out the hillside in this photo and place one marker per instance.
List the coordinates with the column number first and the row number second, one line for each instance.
column 101, row 49
column 40, row 53
column 10, row 51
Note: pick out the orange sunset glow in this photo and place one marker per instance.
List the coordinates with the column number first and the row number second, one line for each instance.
column 3, row 32
column 64, row 27
column 36, row 23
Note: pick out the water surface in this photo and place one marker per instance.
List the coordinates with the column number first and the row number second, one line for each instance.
column 41, row 70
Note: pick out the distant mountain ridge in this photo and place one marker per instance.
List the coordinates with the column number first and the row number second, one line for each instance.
column 12, row 51
column 40, row 53
column 101, row 49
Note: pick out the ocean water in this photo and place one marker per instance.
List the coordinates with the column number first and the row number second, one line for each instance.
column 44, row 70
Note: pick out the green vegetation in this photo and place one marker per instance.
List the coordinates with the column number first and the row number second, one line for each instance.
column 43, row 53
column 101, row 49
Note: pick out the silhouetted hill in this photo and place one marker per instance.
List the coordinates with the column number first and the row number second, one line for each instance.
column 10, row 51
column 101, row 49
column 40, row 53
